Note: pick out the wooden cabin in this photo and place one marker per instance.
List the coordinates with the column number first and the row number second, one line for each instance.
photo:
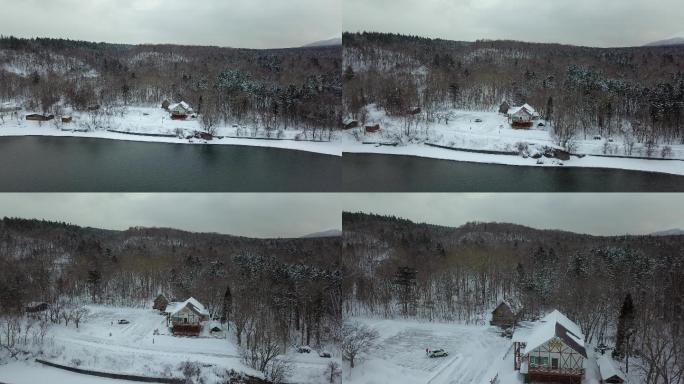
column 503, row 315
column 185, row 318
column 551, row 351
column 610, row 374
column 35, row 307
column 414, row 111
column 160, row 303
column 349, row 124
column 67, row 119
column 39, row 117
column 180, row 111
column 504, row 107
column 522, row 116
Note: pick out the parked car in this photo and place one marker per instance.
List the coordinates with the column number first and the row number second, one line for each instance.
column 327, row 355
column 438, row 353
column 304, row 349
column 478, row 120
column 124, row 321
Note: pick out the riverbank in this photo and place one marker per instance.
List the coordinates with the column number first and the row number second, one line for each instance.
column 673, row 167
column 487, row 137
column 147, row 124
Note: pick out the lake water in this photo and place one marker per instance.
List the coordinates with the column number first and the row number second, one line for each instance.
column 394, row 173
column 56, row 164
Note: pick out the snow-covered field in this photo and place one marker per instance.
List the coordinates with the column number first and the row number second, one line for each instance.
column 399, row 354
column 153, row 120
column 477, row 354
column 494, row 133
column 101, row 344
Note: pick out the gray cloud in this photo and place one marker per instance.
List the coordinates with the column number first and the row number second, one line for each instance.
column 605, row 23
column 234, row 23
column 593, row 213
column 245, row 214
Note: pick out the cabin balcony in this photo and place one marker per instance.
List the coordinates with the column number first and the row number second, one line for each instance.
column 539, row 374
column 181, row 329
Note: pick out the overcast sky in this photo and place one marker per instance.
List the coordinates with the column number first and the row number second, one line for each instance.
column 599, row 23
column 234, row 23
column 597, row 213
column 245, row 214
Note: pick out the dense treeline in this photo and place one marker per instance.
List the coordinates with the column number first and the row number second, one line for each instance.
column 275, row 88
column 635, row 92
column 460, row 274
column 288, row 289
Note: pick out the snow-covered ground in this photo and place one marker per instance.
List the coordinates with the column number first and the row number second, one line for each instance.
column 153, row 120
column 477, row 354
column 101, row 344
column 494, row 133
column 399, row 354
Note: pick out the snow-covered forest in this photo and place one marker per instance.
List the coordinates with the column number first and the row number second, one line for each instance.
column 634, row 94
column 404, row 270
column 267, row 295
column 273, row 89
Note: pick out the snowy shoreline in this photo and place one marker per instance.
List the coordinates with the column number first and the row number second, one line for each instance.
column 330, row 148
column 487, row 137
column 673, row 167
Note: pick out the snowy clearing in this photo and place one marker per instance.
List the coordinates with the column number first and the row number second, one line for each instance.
column 494, row 133
column 152, row 120
column 477, row 354
column 399, row 354
column 101, row 344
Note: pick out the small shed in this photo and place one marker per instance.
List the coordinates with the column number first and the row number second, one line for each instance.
column 372, row 128
column 503, row 108
column 414, row 111
column 349, row 124
column 67, row 119
column 35, row 307
column 503, row 315
column 39, row 117
column 160, row 303
column 610, row 374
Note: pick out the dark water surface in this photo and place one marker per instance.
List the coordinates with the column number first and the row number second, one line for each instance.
column 68, row 164
column 396, row 173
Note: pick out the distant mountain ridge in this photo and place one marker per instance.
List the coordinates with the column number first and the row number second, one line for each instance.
column 666, row 42
column 325, row 43
column 326, row 233
column 669, row 232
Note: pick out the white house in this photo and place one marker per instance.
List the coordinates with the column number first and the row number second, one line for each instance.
column 186, row 317
column 522, row 116
column 180, row 110
column 552, row 350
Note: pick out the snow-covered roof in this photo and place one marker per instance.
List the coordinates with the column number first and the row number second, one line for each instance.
column 512, row 305
column 173, row 307
column 555, row 324
column 525, row 107
column 608, row 369
column 182, row 104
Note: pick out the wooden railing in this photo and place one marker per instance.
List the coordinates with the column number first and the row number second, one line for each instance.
column 556, row 371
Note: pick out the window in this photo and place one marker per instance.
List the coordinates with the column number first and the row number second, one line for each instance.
column 533, row 360
column 554, row 363
column 543, row 361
